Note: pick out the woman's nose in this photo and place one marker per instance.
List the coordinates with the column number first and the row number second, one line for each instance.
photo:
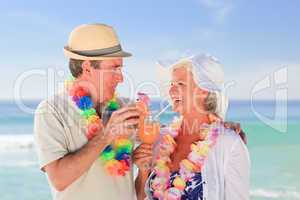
column 172, row 89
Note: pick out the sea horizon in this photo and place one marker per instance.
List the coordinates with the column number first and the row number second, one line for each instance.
column 274, row 172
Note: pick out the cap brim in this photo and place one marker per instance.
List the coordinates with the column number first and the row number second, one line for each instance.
column 119, row 54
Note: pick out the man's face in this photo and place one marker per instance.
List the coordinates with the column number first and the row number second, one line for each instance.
column 106, row 78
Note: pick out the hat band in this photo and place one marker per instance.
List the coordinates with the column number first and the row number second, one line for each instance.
column 99, row 52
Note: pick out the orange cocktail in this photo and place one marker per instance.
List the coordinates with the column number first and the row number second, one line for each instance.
column 149, row 131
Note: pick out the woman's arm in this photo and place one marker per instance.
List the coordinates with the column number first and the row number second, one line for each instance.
column 142, row 158
column 237, row 173
column 140, row 182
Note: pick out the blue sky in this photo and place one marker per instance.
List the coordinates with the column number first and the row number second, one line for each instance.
column 253, row 39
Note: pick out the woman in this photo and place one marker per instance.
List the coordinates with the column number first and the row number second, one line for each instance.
column 205, row 160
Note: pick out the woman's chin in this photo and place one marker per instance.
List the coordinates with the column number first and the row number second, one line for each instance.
column 178, row 109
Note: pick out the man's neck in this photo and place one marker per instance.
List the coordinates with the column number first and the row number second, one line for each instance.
column 98, row 105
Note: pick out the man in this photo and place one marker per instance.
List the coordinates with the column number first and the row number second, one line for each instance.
column 69, row 159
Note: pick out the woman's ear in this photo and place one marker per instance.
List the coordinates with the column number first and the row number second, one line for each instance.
column 201, row 93
column 86, row 67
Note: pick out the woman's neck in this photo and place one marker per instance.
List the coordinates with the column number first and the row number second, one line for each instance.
column 192, row 123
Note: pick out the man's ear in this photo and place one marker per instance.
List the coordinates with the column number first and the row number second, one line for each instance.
column 86, row 67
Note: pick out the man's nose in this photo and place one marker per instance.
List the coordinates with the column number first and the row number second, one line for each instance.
column 119, row 77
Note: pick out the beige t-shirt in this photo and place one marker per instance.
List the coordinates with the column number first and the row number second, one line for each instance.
column 59, row 129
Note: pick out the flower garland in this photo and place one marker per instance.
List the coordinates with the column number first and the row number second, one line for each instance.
column 116, row 156
column 161, row 185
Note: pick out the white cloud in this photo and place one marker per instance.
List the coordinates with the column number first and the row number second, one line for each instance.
column 246, row 80
column 220, row 8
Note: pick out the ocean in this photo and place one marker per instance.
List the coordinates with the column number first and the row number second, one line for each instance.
column 274, row 151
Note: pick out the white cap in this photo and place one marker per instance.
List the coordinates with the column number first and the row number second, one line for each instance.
column 208, row 74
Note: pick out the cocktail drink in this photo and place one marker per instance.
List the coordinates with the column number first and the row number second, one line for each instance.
column 149, row 131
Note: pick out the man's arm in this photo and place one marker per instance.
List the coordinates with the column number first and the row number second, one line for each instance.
column 66, row 170
column 62, row 167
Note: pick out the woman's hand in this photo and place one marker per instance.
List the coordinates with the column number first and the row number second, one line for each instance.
column 142, row 158
column 237, row 128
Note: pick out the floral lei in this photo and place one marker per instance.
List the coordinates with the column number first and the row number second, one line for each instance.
column 161, row 185
column 116, row 156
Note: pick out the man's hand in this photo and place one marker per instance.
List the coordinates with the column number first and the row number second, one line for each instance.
column 121, row 123
column 66, row 170
column 237, row 128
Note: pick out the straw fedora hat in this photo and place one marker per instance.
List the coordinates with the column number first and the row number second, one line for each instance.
column 94, row 42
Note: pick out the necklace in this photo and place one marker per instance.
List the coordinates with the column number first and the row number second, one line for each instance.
column 116, row 156
column 194, row 163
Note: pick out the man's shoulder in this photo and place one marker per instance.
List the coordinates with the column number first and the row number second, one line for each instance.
column 52, row 103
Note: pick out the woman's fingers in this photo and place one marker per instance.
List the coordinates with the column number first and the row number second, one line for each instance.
column 147, row 151
column 144, row 150
column 142, row 155
column 234, row 126
column 145, row 146
column 144, row 163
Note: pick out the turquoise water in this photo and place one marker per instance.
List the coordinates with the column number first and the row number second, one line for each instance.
column 274, row 155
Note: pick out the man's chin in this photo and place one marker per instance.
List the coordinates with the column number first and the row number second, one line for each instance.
column 109, row 97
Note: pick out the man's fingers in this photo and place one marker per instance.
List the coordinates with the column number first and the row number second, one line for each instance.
column 131, row 122
column 121, row 130
column 125, row 109
column 127, row 131
column 128, row 115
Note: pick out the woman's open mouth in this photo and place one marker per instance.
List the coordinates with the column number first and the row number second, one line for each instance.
column 176, row 101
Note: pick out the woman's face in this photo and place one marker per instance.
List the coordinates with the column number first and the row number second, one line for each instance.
column 185, row 94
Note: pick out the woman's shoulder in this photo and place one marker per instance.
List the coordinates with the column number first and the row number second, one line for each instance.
column 228, row 139
column 228, row 134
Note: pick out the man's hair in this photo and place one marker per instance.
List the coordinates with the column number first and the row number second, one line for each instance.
column 75, row 66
